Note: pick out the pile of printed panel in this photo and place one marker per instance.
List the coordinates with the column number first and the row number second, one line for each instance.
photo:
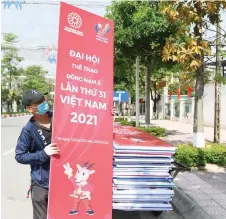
column 141, row 164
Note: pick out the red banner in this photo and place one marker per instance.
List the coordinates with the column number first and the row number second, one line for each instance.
column 178, row 93
column 170, row 94
column 81, row 177
column 189, row 91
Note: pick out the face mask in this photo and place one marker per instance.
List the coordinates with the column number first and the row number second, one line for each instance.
column 42, row 108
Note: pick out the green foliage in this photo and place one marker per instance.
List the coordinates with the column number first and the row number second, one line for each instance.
column 190, row 156
column 119, row 119
column 10, row 60
column 216, row 153
column 195, row 157
column 140, row 30
column 10, row 70
column 4, row 94
column 126, row 123
column 125, row 80
column 35, row 78
column 12, row 83
column 154, row 130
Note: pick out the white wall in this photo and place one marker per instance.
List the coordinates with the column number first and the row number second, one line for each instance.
column 209, row 102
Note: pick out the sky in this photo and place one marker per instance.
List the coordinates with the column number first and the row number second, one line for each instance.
column 36, row 25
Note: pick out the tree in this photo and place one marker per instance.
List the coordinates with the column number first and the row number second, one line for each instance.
column 188, row 47
column 158, row 82
column 34, row 77
column 140, row 30
column 10, row 70
column 124, row 79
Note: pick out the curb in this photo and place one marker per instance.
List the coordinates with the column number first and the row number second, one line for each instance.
column 187, row 207
column 14, row 115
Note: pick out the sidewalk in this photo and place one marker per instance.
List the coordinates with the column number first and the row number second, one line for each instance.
column 206, row 189
column 178, row 132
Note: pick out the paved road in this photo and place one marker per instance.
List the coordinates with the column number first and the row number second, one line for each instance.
column 15, row 179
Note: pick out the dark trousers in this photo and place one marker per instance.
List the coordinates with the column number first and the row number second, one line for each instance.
column 39, row 197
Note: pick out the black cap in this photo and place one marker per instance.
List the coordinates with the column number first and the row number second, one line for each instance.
column 31, row 96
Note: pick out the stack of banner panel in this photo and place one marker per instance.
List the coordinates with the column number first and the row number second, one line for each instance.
column 141, row 164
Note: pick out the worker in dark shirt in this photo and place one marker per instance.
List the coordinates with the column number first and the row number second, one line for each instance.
column 34, row 147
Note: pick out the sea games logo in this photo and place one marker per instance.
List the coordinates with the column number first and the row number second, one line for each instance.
column 75, row 21
column 102, row 31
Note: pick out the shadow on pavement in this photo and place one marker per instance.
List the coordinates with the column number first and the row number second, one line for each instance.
column 146, row 215
column 174, row 132
column 125, row 214
column 176, row 137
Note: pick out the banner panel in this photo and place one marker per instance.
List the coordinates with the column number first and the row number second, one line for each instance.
column 81, row 177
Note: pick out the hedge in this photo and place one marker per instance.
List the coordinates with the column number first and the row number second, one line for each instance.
column 154, row 130
column 195, row 157
column 126, row 123
column 120, row 119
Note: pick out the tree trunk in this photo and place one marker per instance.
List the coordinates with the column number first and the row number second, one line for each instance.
column 198, row 125
column 156, row 100
column 8, row 106
column 10, row 80
column 147, row 94
column 155, row 106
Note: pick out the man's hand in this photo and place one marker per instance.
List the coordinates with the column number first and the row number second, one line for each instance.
column 113, row 111
column 52, row 149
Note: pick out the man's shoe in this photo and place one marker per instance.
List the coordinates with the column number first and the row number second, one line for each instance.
column 72, row 212
column 90, row 212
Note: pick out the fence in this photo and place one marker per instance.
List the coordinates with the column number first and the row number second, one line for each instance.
column 181, row 111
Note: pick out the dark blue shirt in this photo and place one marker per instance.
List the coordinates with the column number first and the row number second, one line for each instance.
column 30, row 150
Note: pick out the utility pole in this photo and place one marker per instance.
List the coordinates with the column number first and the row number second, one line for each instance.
column 137, row 93
column 217, row 84
column 147, row 95
column 129, row 105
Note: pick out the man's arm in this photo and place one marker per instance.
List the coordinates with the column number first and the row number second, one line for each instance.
column 22, row 151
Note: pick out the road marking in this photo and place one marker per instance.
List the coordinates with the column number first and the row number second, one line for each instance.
column 9, row 151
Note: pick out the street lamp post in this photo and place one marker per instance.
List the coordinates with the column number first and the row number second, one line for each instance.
column 137, row 93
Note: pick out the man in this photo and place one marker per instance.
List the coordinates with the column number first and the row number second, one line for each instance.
column 34, row 147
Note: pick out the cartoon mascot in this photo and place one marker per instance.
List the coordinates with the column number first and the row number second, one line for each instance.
column 81, row 192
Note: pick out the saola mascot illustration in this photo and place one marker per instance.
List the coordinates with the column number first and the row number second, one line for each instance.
column 81, row 192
